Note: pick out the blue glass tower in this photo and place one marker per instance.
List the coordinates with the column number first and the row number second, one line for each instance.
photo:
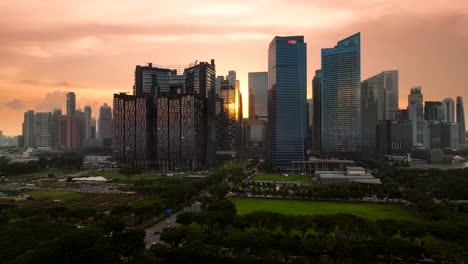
column 341, row 97
column 287, row 100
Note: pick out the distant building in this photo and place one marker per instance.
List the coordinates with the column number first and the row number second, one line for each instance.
column 255, row 139
column 449, row 110
column 401, row 114
column 90, row 122
column 105, row 122
column 415, row 113
column 1, row 138
column 28, row 129
column 310, row 122
column 71, row 131
column 433, row 111
column 341, row 98
column 229, row 119
column 394, row 137
column 71, row 103
column 444, row 135
column 258, row 90
column 43, row 129
column 287, row 95
column 461, row 120
column 317, row 115
column 55, row 126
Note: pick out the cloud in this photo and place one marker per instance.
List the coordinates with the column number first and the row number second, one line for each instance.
column 54, row 99
column 16, row 104
column 46, row 83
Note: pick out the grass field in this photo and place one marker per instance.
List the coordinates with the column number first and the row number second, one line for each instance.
column 278, row 177
column 292, row 207
column 53, row 195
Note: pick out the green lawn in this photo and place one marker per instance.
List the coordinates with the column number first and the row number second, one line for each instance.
column 367, row 210
column 124, row 179
column 53, row 195
column 278, row 177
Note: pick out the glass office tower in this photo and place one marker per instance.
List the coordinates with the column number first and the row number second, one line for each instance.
column 287, row 95
column 461, row 120
column 341, row 97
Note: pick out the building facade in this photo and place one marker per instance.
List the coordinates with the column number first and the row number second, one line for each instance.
column 287, row 106
column 43, row 129
column 28, row 129
column 415, row 114
column 258, row 90
column 461, row 120
column 105, row 122
column 341, row 98
column 71, row 131
column 433, row 111
column 394, row 137
column 317, row 115
column 448, row 106
column 71, row 103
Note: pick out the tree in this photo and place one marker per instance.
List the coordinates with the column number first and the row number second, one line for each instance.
column 185, row 218
column 324, row 224
column 174, row 235
column 220, row 191
column 111, row 223
column 129, row 243
column 411, row 230
column 387, row 227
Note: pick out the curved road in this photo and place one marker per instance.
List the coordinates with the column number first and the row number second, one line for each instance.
column 152, row 238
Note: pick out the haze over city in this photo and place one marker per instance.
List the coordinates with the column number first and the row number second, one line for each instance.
column 51, row 47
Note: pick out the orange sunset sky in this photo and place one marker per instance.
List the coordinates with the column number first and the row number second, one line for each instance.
column 50, row 47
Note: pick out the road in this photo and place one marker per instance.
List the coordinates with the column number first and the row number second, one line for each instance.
column 152, row 238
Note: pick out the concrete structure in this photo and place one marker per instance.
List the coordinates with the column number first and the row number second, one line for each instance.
column 314, row 164
column 43, row 129
column 258, row 90
column 394, row 137
column 351, row 174
column 461, row 120
column 105, row 122
column 287, row 95
column 341, row 98
column 449, row 110
column 28, row 129
column 71, row 103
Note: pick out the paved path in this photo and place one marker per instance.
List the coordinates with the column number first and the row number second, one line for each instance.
column 152, row 238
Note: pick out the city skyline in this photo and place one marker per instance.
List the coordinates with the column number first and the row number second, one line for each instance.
column 45, row 56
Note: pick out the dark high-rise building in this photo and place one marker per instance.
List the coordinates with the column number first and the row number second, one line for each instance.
column 170, row 121
column 461, row 120
column 394, row 137
column 28, row 129
column 449, row 110
column 258, row 87
column 443, row 135
column 317, row 117
column 379, row 98
column 341, row 98
column 287, row 95
column 71, row 129
column 255, row 138
column 133, row 141
column 433, row 111
column 310, row 123
column 105, row 122
column 400, row 114
column 55, row 126
column 71, row 103
column 89, row 123
column 229, row 119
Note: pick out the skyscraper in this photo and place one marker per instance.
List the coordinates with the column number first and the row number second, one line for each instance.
column 316, row 94
column 461, row 120
column 415, row 114
column 133, row 141
column 55, row 126
column 341, row 97
column 71, row 103
column 433, row 111
column 28, row 129
column 258, row 87
column 449, row 110
column 379, row 99
column 229, row 125
column 88, row 112
column 287, row 105
column 43, row 129
column 105, row 122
